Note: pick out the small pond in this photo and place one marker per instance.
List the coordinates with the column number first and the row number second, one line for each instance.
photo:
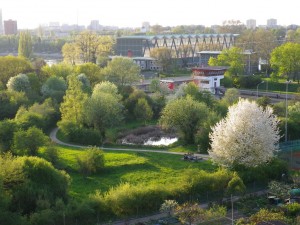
column 150, row 135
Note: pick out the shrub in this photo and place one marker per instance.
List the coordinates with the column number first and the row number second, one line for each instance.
column 91, row 162
column 263, row 173
column 28, row 142
column 80, row 135
column 293, row 209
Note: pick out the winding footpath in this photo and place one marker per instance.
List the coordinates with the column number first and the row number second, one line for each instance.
column 57, row 141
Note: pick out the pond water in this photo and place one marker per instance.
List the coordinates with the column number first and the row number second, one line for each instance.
column 163, row 141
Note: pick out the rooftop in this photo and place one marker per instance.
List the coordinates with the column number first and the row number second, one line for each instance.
column 168, row 36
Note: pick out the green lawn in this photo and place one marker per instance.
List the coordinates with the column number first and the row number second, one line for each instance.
column 135, row 168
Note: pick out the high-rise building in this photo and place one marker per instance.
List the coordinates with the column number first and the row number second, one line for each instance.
column 10, row 27
column 1, row 23
column 145, row 27
column 251, row 24
column 271, row 23
column 94, row 25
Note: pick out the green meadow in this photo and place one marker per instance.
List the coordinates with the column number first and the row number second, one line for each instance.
column 123, row 166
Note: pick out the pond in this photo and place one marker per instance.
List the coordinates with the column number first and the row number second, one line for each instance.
column 149, row 135
column 165, row 141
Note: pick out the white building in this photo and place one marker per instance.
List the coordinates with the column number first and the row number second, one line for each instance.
column 251, row 24
column 208, row 78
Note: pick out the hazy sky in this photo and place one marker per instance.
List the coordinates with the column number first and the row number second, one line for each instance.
column 131, row 13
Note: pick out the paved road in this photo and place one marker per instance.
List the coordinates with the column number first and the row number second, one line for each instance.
column 55, row 140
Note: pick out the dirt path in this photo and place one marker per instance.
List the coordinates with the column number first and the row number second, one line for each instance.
column 55, row 140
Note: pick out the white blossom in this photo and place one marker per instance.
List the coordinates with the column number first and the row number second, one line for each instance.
column 248, row 136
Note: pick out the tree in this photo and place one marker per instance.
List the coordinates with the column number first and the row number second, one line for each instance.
column 247, row 136
column 107, row 87
column 231, row 96
column 11, row 66
column 91, row 70
column 190, row 213
column 232, row 26
column 25, row 45
column 72, row 107
column 31, row 179
column 163, row 56
column 233, row 58
column 263, row 215
column 23, row 143
column 7, row 129
column 185, row 114
column 168, row 206
column 87, row 42
column 103, row 110
column 10, row 102
column 86, row 85
column 19, row 83
column 285, row 60
column 143, row 111
column 122, row 71
column 154, row 85
column 59, row 70
column 106, row 46
column 42, row 115
column 70, row 53
column 55, row 88
column 91, row 162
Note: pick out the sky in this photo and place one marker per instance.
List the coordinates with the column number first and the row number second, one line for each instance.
column 131, row 13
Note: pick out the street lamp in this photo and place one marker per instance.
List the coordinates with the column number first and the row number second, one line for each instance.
column 286, row 110
column 257, row 88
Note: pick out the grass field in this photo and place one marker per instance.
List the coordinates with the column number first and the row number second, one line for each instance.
column 136, row 168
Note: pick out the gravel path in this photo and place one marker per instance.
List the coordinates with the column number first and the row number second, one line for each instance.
column 55, row 140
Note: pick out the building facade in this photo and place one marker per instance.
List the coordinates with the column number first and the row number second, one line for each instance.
column 1, row 22
column 271, row 23
column 208, row 78
column 10, row 27
column 251, row 24
column 184, row 45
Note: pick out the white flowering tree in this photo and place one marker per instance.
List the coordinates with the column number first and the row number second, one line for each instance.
column 247, row 136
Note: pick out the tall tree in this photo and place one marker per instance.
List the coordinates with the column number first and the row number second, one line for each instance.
column 185, row 114
column 247, row 136
column 285, row 60
column 143, row 111
column 103, row 110
column 163, row 56
column 88, row 43
column 122, row 71
column 11, row 66
column 70, row 53
column 72, row 107
column 233, row 58
column 25, row 45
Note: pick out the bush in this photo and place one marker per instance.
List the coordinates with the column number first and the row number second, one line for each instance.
column 91, row 162
column 28, row 142
column 80, row 135
column 32, row 179
column 293, row 209
column 272, row 170
column 248, row 81
column 51, row 154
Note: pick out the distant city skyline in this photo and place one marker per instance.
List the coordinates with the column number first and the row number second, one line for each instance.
column 132, row 13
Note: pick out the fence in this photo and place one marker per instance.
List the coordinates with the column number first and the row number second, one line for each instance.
column 290, row 152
